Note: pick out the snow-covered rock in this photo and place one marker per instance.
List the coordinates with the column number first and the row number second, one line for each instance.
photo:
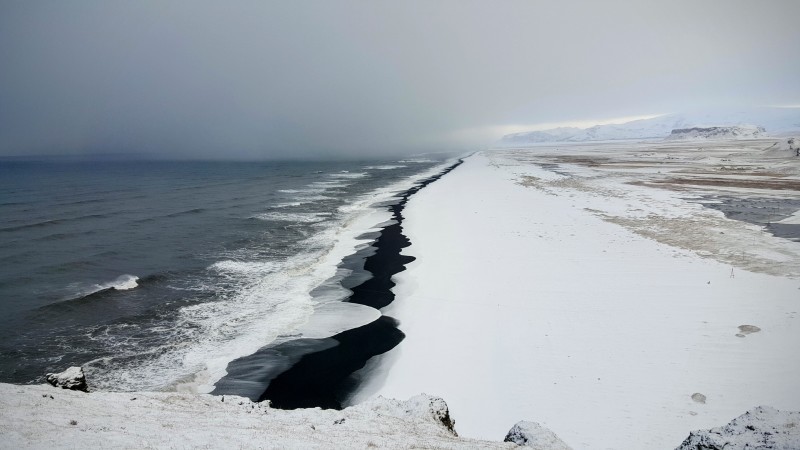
column 760, row 428
column 72, row 379
column 533, row 435
column 734, row 132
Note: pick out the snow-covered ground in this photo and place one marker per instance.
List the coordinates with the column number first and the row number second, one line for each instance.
column 586, row 288
column 47, row 417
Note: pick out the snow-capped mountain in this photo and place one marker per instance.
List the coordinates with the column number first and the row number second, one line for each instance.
column 773, row 120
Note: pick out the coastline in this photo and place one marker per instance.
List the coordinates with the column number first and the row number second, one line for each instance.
column 306, row 372
column 564, row 290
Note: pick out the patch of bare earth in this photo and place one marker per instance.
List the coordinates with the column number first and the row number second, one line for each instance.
column 773, row 184
column 610, row 171
column 738, row 245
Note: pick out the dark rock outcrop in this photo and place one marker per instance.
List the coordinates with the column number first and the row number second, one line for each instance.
column 760, row 428
column 732, row 132
column 72, row 379
column 441, row 413
column 794, row 145
column 533, row 435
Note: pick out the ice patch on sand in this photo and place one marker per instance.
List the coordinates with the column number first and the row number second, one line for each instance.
column 335, row 317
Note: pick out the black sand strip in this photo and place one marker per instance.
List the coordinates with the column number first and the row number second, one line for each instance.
column 317, row 380
column 306, row 373
column 387, row 260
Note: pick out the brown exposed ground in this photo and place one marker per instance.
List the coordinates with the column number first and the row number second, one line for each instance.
column 628, row 184
column 788, row 185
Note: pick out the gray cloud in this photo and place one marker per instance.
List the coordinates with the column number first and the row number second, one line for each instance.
column 258, row 79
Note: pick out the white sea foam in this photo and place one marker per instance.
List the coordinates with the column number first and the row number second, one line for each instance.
column 348, row 175
column 303, row 191
column 289, row 204
column 245, row 268
column 310, row 217
column 332, row 184
column 121, row 283
column 268, row 299
column 386, row 167
column 305, row 199
column 125, row 282
column 416, row 160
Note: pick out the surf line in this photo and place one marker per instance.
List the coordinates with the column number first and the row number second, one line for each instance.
column 309, row 373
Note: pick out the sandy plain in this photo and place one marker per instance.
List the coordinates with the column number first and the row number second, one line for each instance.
column 596, row 288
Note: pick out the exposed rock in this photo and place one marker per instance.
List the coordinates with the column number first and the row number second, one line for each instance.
column 533, row 435
column 732, row 132
column 699, row 398
column 72, row 379
column 744, row 330
column 760, row 428
column 434, row 407
column 794, row 145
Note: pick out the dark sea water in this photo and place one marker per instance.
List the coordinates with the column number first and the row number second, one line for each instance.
column 148, row 273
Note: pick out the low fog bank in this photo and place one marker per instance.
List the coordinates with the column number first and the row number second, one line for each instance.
column 349, row 79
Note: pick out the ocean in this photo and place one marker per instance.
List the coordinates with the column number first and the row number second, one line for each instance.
column 155, row 275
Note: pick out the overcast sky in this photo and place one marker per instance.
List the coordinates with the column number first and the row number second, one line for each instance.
column 261, row 79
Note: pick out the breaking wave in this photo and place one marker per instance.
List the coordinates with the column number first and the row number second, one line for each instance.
column 255, row 302
column 310, row 217
column 386, row 167
column 121, row 283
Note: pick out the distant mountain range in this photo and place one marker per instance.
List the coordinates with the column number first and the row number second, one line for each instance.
column 772, row 120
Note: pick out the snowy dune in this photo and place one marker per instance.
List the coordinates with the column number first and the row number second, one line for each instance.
column 585, row 287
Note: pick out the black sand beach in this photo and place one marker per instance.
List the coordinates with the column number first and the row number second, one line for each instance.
column 306, row 373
